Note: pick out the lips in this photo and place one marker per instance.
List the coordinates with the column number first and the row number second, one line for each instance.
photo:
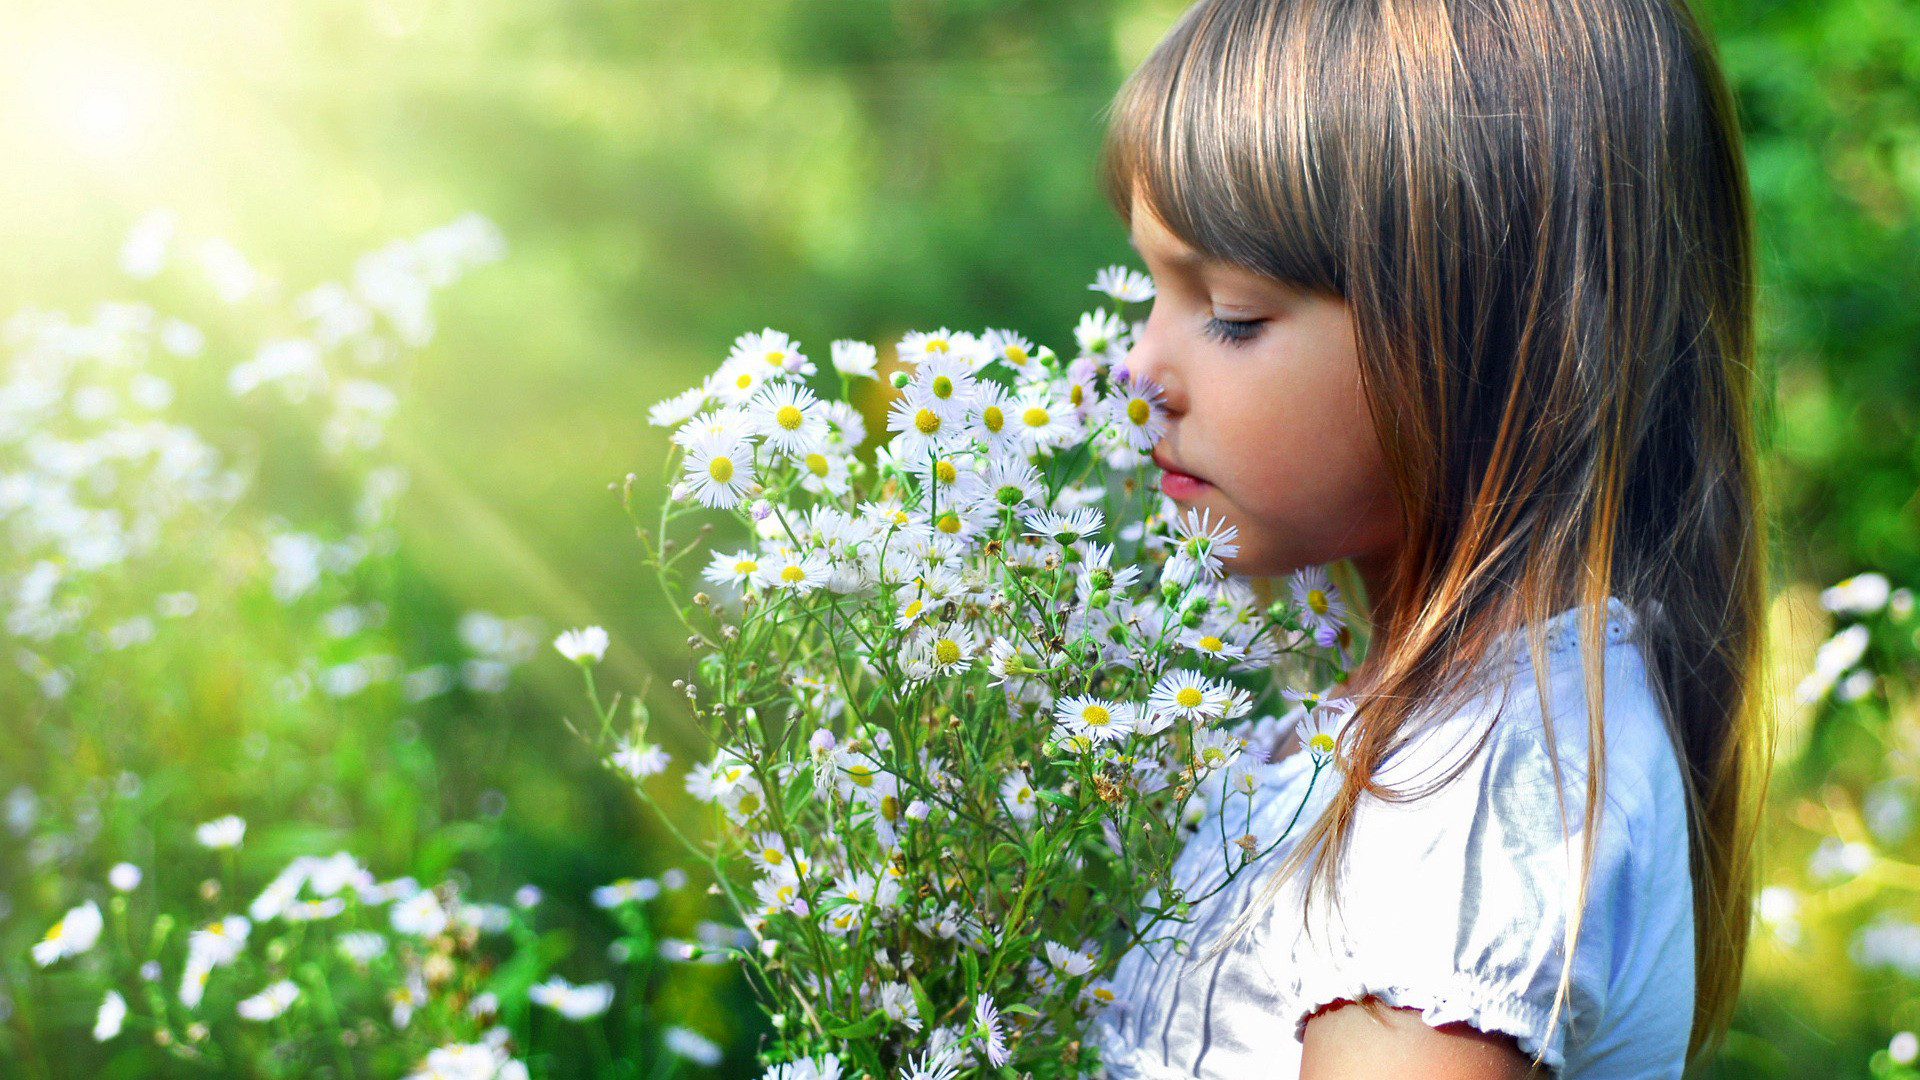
column 1176, row 484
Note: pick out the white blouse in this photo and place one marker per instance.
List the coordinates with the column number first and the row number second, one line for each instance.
column 1457, row 903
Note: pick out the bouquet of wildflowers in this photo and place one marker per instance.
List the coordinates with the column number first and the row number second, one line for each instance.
column 968, row 694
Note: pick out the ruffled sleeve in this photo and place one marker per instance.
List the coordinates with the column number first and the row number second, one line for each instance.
column 1459, row 903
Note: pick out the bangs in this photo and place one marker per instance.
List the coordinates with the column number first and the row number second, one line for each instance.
column 1220, row 131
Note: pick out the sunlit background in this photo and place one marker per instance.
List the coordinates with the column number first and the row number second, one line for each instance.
column 662, row 176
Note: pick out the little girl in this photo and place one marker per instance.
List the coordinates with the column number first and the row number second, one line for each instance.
column 1462, row 292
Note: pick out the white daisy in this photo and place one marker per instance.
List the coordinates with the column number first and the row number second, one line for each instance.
column 110, row 1016
column 719, row 471
column 824, row 473
column 1216, row 749
column 738, row 381
column 268, row 1003
column 802, row 575
column 726, row 422
column 1065, row 529
column 790, row 418
column 992, row 418
column 1095, row 719
column 573, row 1002
column 1017, row 795
column 1010, row 483
column 946, row 383
column 1199, row 545
column 1069, row 962
column 639, row 759
column 1188, row 695
column 1042, row 422
column 221, row 833
column 1008, row 348
column 919, row 346
column 771, row 350
column 585, row 645
column 1322, row 612
column 1101, row 334
column 76, row 932
column 855, row 359
column 740, row 569
column 679, row 408
column 1137, row 414
column 1209, row 644
column 921, row 428
column 1125, row 285
column 1098, row 575
column 1323, row 726
column 986, row 1016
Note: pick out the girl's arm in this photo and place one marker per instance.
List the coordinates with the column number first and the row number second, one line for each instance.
column 1375, row 1040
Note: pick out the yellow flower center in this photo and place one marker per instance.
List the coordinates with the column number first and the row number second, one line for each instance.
column 792, row 575
column 926, row 421
column 721, row 469
column 789, row 417
column 942, row 387
column 993, row 419
column 1095, row 716
column 1035, row 416
column 1138, row 411
column 912, row 609
column 1211, row 644
column 861, row 775
column 773, row 856
column 817, row 465
column 1188, row 697
column 1322, row 743
column 743, row 380
column 948, row 523
column 1317, row 600
column 946, row 652
column 1016, row 356
column 890, row 808
column 937, row 345
column 749, row 804
column 1212, row 757
column 54, row 933
column 945, row 472
column 745, row 567
column 1076, row 395
column 776, row 358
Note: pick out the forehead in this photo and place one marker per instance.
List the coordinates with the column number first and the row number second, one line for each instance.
column 1151, row 237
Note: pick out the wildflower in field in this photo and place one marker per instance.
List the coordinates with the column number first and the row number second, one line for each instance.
column 1009, row 348
column 942, row 1064
column 691, row 1045
column 824, row 1067
column 1071, row 963
column 1017, row 796
column 361, row 947
column 1065, row 529
column 1095, row 719
column 421, row 915
column 469, row 1061
column 799, row 575
column 269, row 1003
column 75, row 933
column 1138, row 414
column 739, row 569
column 710, row 780
column 1321, row 728
column 921, row 428
column 790, row 418
column 855, row 359
column 1101, row 335
column 825, row 472
column 124, row 877
column 625, row 891
column 986, row 1019
column 772, row 350
column 221, row 833
column 583, row 646
column 678, row 409
column 1214, row 749
column 1123, row 284
column 573, row 1002
column 719, row 470
column 1213, row 646
column 1042, row 422
column 638, row 759
column 1188, row 695
column 109, row 1017
column 1199, row 544
column 1323, row 613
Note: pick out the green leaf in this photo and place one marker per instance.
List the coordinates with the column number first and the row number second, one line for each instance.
column 922, row 1002
column 1056, row 799
column 875, row 1022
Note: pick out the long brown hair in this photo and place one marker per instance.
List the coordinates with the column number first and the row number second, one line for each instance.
column 1537, row 212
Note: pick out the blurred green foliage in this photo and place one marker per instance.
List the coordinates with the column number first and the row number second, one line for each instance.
column 671, row 173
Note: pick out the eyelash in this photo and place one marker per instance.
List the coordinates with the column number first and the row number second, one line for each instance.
column 1233, row 332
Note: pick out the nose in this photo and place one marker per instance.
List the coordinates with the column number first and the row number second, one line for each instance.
column 1153, row 358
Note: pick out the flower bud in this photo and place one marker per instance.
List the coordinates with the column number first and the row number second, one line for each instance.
column 899, row 379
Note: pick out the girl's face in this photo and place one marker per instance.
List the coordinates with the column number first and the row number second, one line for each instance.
column 1266, row 425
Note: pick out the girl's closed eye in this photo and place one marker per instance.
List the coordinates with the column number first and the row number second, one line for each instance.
column 1233, row 331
